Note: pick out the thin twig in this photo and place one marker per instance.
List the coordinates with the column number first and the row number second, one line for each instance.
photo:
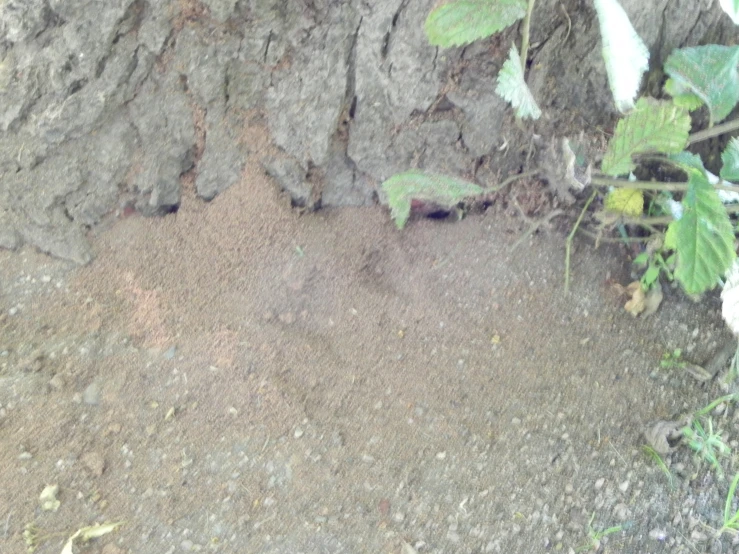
column 714, row 131
column 667, row 219
column 525, row 33
column 569, row 22
column 535, row 225
column 7, row 525
column 652, row 185
column 512, row 178
column 568, row 242
column 614, row 240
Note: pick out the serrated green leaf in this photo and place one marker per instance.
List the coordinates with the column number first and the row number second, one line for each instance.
column 686, row 100
column 444, row 191
column 653, row 126
column 731, row 7
column 624, row 53
column 625, row 201
column 705, row 238
column 464, row 21
column 671, row 237
column 642, row 259
column 687, row 159
column 730, row 159
column 513, row 88
column 710, row 73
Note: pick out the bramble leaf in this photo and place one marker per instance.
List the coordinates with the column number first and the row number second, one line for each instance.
column 464, row 21
column 513, row 88
column 445, row 191
column 730, row 158
column 705, row 238
column 686, row 100
column 624, row 52
column 625, row 201
column 730, row 298
column 653, row 126
column 710, row 73
column 670, row 242
column 731, row 7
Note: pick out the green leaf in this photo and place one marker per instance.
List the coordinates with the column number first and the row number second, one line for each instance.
column 624, row 53
column 625, row 201
column 686, row 100
column 671, row 237
column 687, row 160
column 444, row 191
column 512, row 87
column 709, row 72
column 730, row 158
column 642, row 259
column 705, row 238
column 653, row 126
column 464, row 21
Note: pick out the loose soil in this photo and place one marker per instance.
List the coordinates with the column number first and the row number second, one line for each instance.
column 240, row 378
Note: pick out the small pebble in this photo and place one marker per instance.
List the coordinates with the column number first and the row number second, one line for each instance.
column 56, row 382
column 94, row 462
column 92, row 394
column 298, row 433
column 440, row 455
column 599, row 483
column 623, row 487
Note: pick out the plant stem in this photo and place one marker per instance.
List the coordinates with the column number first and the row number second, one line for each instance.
column 568, row 243
column 715, row 131
column 666, row 219
column 512, row 178
column 653, row 185
column 525, row 34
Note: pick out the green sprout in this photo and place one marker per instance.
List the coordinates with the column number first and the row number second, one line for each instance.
column 709, row 446
column 595, row 537
column 673, row 360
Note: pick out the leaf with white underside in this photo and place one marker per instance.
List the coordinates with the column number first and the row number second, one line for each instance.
column 730, row 298
column 730, row 159
column 624, row 52
column 513, row 88
column 464, row 21
column 710, row 73
column 731, row 7
column 653, row 126
column 705, row 237
column 403, row 188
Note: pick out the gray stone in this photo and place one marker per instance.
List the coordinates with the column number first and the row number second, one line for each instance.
column 291, row 178
column 92, row 394
column 22, row 19
column 305, row 102
column 220, row 10
column 163, row 119
column 223, row 160
column 99, row 100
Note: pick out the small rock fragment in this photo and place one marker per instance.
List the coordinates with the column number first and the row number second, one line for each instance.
column 92, row 394
column 57, row 382
column 48, row 499
column 95, row 462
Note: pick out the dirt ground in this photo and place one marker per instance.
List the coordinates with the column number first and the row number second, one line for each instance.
column 240, row 378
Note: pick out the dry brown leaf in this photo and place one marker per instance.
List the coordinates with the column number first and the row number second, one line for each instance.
column 637, row 304
column 663, row 436
column 653, row 300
